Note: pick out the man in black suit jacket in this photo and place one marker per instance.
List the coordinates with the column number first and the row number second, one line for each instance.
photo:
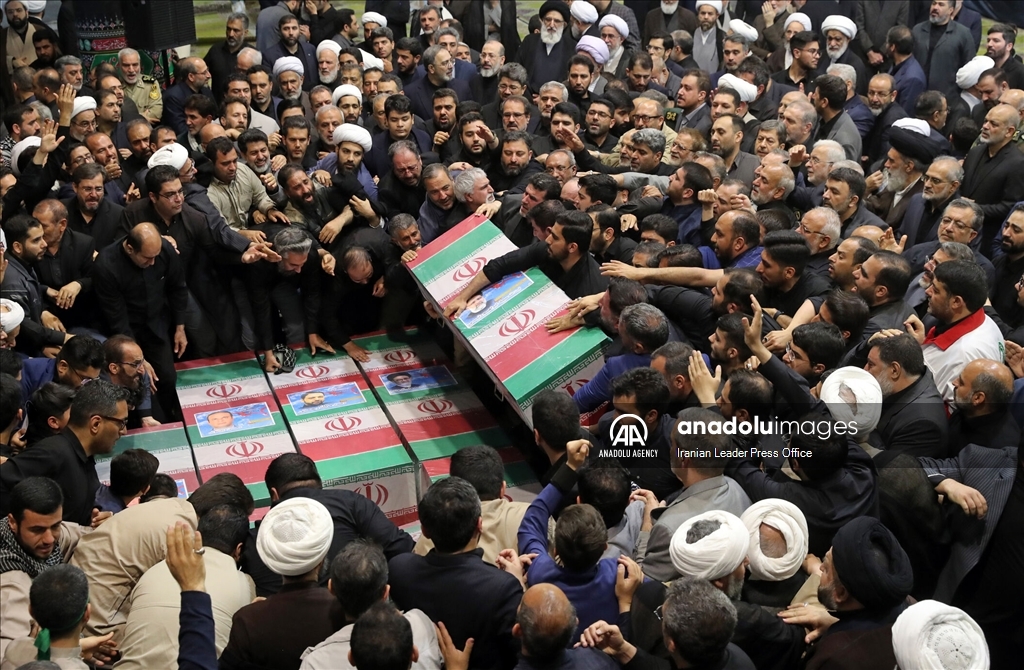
column 994, row 171
column 65, row 270
column 452, row 584
column 440, row 69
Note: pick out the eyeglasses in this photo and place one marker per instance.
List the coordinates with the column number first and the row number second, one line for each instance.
column 121, row 423
column 933, row 180
column 174, row 195
column 136, row 364
column 513, row 115
column 813, row 52
column 959, row 225
column 646, row 118
column 802, row 228
column 814, row 160
column 790, row 352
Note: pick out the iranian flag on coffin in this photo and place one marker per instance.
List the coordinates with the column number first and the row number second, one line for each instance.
column 506, row 333
column 169, row 444
column 433, row 410
column 386, row 476
column 521, row 483
column 247, row 457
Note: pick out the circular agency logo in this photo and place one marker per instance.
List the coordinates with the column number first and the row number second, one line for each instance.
column 313, row 371
column 517, row 323
column 469, row 269
column 223, row 391
column 629, row 433
column 377, row 493
column 244, row 449
column 400, row 356
column 436, row 406
column 343, row 424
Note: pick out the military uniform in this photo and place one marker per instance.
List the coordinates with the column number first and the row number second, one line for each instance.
column 147, row 97
column 1018, row 137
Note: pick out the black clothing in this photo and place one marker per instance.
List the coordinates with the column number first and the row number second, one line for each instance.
column 582, row 279
column 1004, row 289
column 398, row 198
column 996, row 430
column 621, row 249
column 688, row 308
column 261, row 279
column 913, row 421
column 21, row 284
column 996, row 184
column 73, row 262
column 221, row 63
column 105, row 225
column 808, row 286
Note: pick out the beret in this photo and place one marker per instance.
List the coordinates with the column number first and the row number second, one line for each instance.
column 374, row 17
column 172, row 154
column 584, row 12
column 615, row 22
column 350, row 132
column 289, row 63
column 840, row 23
column 595, row 48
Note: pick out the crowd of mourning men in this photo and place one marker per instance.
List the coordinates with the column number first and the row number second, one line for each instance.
column 792, row 210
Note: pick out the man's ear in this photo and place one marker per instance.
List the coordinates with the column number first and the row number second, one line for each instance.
column 517, row 630
column 350, row 661
column 274, row 495
column 415, row 654
column 12, row 523
column 237, row 553
column 88, row 613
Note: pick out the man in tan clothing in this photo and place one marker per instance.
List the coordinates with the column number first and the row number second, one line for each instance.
column 151, row 634
column 481, row 466
column 32, row 539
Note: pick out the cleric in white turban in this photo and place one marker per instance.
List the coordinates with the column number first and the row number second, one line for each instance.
column 328, row 45
column 967, row 77
column 18, row 149
column 854, row 397
column 11, row 315
column 930, row 635
column 919, row 126
column 371, row 62
column 799, row 17
column 172, row 154
column 778, row 543
column 289, row 64
column 747, row 91
column 712, row 546
column 740, row 27
column 714, row 4
column 350, row 132
column 295, row 536
column 616, row 22
column 841, row 23
column 584, row 12
column 347, row 89
column 374, row 17
column 593, row 47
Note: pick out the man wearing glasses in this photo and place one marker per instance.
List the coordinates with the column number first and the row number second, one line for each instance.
column 99, row 414
column 940, row 185
column 545, row 55
column 79, row 362
column 125, row 366
column 961, row 222
column 191, row 78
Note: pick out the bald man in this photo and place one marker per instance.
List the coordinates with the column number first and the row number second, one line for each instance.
column 994, row 172
column 545, row 625
column 981, row 396
column 873, row 233
column 140, row 286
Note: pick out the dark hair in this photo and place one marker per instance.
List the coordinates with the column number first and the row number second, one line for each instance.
column 10, row 400
column 225, row 488
column 606, row 487
column 250, row 136
column 15, row 115
column 580, row 59
column 294, row 123
column 823, row 343
column 131, row 471
column 965, row 132
column 776, row 219
column 698, row 177
column 382, row 637
column 544, row 213
column 58, row 598
column 47, row 33
column 757, row 67
column 731, row 326
column 397, row 103
column 16, row 229
column 449, row 512
column 82, row 352
column 556, row 418
column 895, row 274
column 702, row 77
column 928, row 103
column 383, row 31
column 223, row 528
column 902, row 349
column 50, row 399
column 410, row 44
column 750, row 391
column 639, row 59
column 788, row 248
column 546, row 183
column 39, row 495
column 742, row 284
column 288, row 469
column 481, row 466
column 163, row 485
column 285, row 105
column 205, row 106
column 828, row 448
column 902, row 39
column 468, row 118
column 10, row 363
column 965, row 279
column 830, row 88
column 359, row 577
column 662, row 225
column 664, row 36
column 1008, row 31
column 165, row 174
column 851, row 178
column 218, row 145
column 651, row 249
column 97, row 398
column 624, row 292
column 802, row 39
column 996, row 73
column 569, row 109
column 865, row 249
column 580, row 537
column 577, row 228
column 645, row 324
column 518, row 136
column 644, row 384
column 607, row 218
column 287, row 18
column 849, row 312
column 445, row 93
column 602, row 188
column 699, row 619
column 746, row 226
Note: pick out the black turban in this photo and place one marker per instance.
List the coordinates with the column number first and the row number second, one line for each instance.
column 918, row 148
column 871, row 564
column 556, row 6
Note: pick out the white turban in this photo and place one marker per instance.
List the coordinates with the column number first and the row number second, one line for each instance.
column 374, row 17
column 713, row 556
column 799, row 17
column 615, row 22
column 584, row 12
column 289, row 63
column 786, row 518
column 371, row 62
column 346, row 89
column 329, row 45
column 919, row 126
column 172, row 154
column 747, row 91
column 11, row 315
column 295, row 536
column 743, row 28
column 83, row 104
column 929, row 635
column 854, row 397
column 20, row 148
column 840, row 23
column 716, row 4
column 35, row 6
column 969, row 74
column 594, row 47
column 350, row 132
